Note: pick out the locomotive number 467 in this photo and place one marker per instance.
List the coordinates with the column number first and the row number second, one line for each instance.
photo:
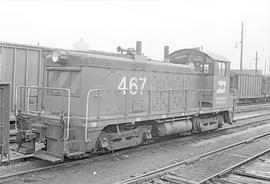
column 133, row 85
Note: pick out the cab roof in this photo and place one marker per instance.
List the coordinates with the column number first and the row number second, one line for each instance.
column 185, row 53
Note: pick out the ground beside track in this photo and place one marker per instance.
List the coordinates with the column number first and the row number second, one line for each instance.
column 207, row 167
column 255, row 171
column 140, row 161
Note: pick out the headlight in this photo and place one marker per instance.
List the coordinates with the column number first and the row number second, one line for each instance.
column 59, row 57
column 55, row 57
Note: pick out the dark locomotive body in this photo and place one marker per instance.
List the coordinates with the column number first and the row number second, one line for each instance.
column 97, row 101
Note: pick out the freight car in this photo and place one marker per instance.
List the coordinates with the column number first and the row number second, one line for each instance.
column 250, row 87
column 266, row 88
column 4, row 120
column 21, row 64
column 97, row 101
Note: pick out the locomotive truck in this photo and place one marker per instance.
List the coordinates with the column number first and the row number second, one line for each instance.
column 99, row 101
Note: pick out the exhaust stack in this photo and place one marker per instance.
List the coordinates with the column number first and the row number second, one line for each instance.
column 166, row 54
column 138, row 48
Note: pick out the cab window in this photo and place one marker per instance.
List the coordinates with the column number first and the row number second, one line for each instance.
column 208, row 68
column 222, row 68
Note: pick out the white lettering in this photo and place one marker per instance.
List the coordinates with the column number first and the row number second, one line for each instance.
column 123, row 85
column 134, row 85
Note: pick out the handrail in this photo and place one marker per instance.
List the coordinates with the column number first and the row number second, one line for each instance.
column 86, row 116
column 42, row 87
column 150, row 90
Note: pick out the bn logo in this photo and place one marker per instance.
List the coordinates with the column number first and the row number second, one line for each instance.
column 221, row 87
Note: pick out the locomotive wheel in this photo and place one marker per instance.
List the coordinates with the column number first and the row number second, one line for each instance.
column 103, row 142
column 144, row 135
column 220, row 121
column 143, row 138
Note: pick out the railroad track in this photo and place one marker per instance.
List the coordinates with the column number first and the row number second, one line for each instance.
column 258, row 176
column 182, row 172
column 261, row 119
column 249, row 108
column 252, row 170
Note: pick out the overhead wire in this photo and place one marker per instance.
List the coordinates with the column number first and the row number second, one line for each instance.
column 183, row 20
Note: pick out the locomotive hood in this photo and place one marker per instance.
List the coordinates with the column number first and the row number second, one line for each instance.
column 66, row 59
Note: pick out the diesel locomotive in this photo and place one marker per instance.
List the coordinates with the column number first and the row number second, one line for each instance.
column 99, row 101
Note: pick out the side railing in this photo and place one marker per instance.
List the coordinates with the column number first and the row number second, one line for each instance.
column 125, row 95
column 26, row 93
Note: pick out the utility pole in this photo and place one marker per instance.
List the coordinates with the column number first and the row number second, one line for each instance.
column 256, row 62
column 241, row 54
column 265, row 67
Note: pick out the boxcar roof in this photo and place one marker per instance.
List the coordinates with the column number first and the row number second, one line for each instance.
column 247, row 72
column 185, row 52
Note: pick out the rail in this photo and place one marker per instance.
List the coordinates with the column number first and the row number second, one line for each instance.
column 161, row 172
column 28, row 88
column 227, row 170
column 185, row 93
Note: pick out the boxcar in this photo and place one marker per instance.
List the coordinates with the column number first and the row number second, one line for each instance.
column 266, row 88
column 21, row 64
column 4, row 119
column 248, row 86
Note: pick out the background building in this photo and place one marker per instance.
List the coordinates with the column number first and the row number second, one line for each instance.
column 81, row 45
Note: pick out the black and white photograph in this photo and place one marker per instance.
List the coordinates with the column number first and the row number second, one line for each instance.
column 135, row 92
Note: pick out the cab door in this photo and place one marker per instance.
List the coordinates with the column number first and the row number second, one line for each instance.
column 221, row 84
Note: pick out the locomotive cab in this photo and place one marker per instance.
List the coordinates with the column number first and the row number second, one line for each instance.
column 214, row 72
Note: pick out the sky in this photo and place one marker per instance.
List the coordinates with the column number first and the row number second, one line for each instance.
column 213, row 24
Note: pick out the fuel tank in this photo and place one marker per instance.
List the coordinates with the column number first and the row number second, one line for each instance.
column 176, row 127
